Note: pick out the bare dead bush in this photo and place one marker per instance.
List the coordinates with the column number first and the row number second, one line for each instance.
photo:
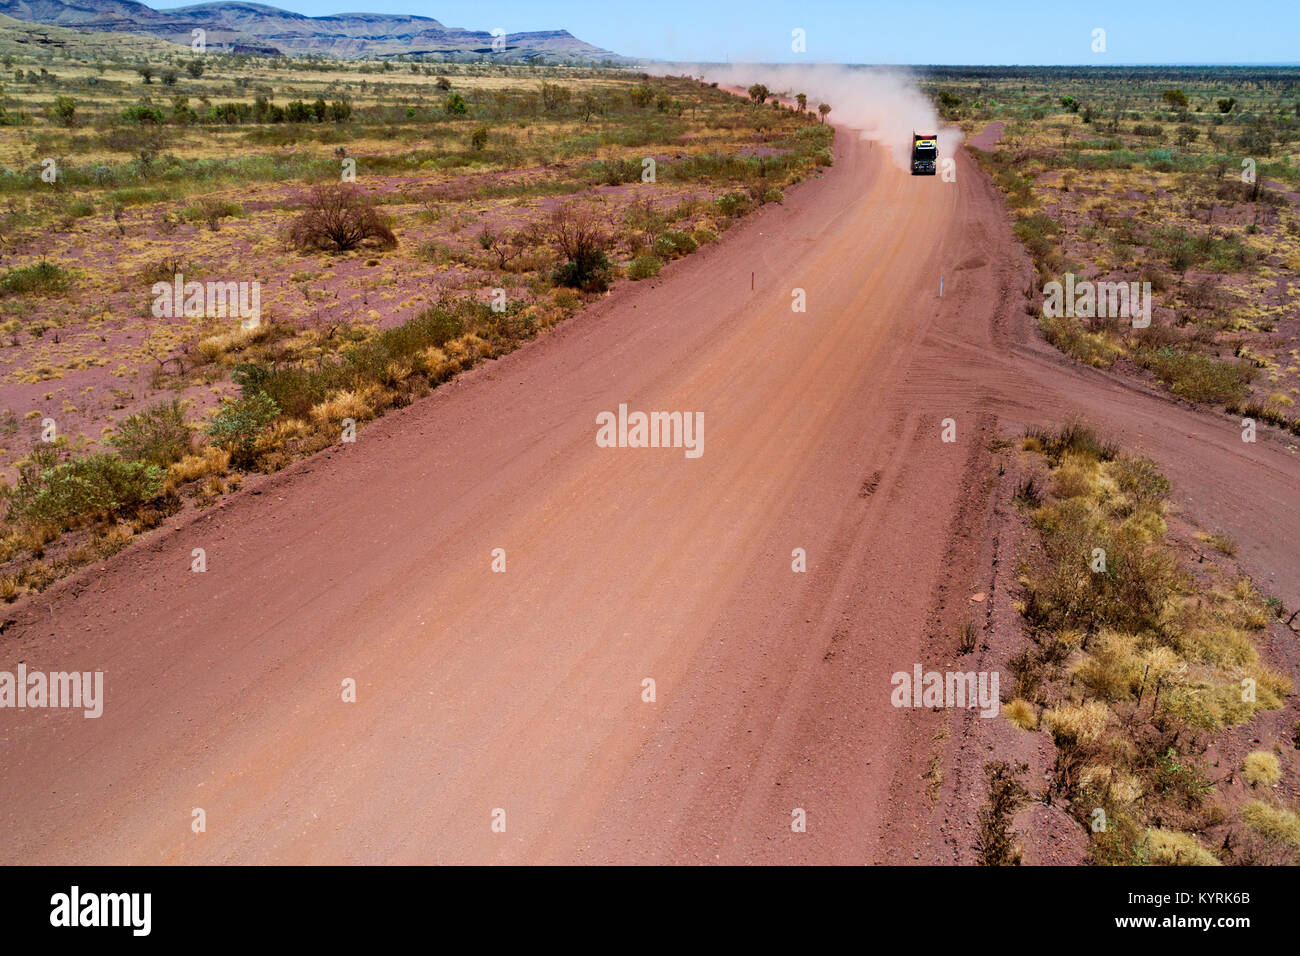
column 506, row 247
column 339, row 217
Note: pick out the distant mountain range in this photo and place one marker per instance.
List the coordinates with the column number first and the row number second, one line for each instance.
column 255, row 28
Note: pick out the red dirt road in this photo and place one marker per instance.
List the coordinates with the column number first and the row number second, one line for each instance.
column 523, row 690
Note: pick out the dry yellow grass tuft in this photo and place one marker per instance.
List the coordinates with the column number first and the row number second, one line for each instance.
column 1021, row 714
column 1171, row 848
column 1275, row 824
column 1262, row 769
column 1077, row 723
column 357, row 406
column 211, row 461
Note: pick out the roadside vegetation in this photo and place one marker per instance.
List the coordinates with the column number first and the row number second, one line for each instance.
column 1144, row 667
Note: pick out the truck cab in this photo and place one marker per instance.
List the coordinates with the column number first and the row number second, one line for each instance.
column 925, row 154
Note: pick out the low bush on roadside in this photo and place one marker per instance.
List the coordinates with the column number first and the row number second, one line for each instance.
column 236, row 426
column 1195, row 377
column 733, row 204
column 644, row 267
column 61, row 493
column 159, row 436
column 296, row 389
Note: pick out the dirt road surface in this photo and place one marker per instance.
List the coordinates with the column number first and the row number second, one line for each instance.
column 522, row 691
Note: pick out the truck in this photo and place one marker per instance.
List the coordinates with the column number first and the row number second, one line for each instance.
column 925, row 153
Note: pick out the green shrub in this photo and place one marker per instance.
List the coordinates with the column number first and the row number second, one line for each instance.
column 236, row 426
column 209, row 210
column 682, row 242
column 733, row 204
column 60, row 492
column 41, row 276
column 1197, row 378
column 664, row 248
column 142, row 113
column 613, row 172
column 644, row 267
column 590, row 273
column 773, row 195
column 295, row 389
column 158, row 436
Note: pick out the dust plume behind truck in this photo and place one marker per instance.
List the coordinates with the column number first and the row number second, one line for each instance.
column 925, row 153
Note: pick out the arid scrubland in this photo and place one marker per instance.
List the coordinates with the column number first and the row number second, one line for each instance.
column 1147, row 659
column 389, row 223
column 1144, row 653
column 1186, row 179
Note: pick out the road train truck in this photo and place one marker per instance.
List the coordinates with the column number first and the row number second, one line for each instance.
column 925, row 154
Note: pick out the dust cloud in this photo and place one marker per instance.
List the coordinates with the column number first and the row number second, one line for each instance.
column 884, row 104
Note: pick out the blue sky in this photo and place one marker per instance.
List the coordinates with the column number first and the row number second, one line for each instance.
column 869, row 31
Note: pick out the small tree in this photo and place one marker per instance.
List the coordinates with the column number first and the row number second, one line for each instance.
column 456, row 105
column 554, row 97
column 146, row 73
column 823, row 109
column 442, row 83
column 802, row 100
column 64, row 109
column 1175, row 98
column 194, row 68
column 759, row 93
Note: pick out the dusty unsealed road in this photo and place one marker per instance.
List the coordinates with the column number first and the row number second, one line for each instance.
column 522, row 691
